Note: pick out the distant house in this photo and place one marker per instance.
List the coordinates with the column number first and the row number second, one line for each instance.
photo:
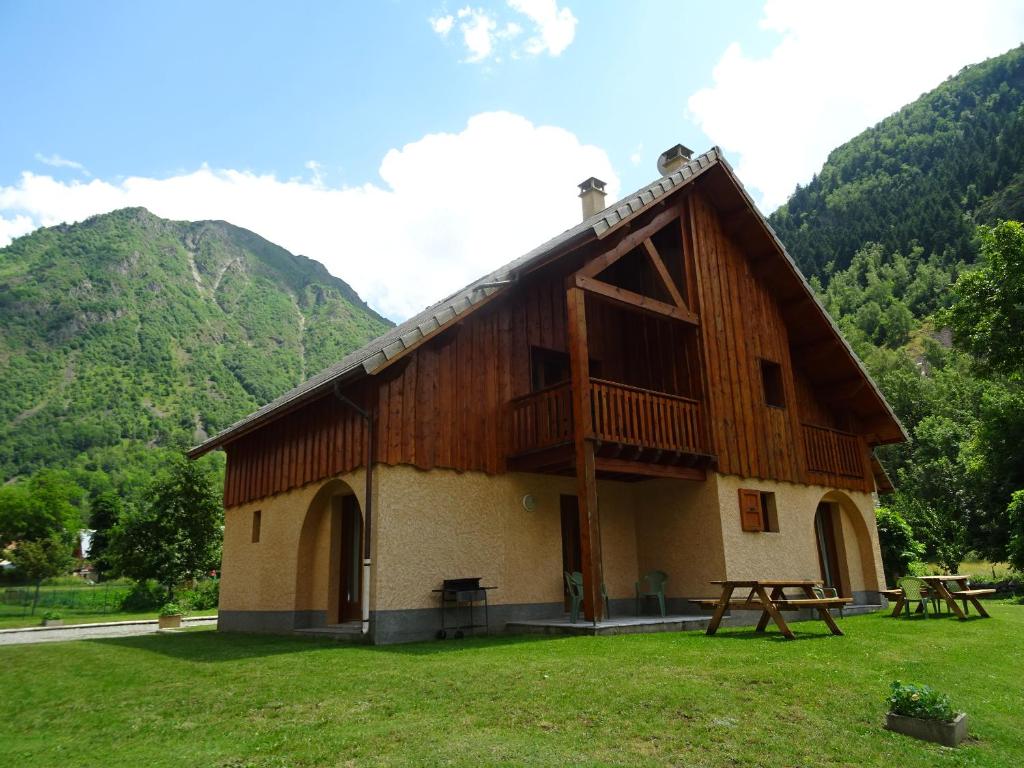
column 655, row 388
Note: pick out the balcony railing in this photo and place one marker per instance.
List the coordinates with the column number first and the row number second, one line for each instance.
column 634, row 416
column 542, row 419
column 832, row 452
column 621, row 414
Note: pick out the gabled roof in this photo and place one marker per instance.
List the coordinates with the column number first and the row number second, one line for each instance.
column 396, row 342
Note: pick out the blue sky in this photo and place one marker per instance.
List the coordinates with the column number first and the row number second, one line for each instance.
column 410, row 131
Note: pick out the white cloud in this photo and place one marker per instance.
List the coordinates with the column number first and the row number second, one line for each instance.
column 553, row 30
column 442, row 25
column 57, row 161
column 837, row 70
column 477, row 33
column 452, row 206
column 556, row 27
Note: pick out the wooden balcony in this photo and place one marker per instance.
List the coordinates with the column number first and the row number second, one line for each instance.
column 636, row 431
column 832, row 452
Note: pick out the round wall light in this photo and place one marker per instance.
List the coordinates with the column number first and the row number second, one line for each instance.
column 529, row 502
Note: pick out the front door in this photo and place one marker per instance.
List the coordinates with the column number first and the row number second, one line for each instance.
column 351, row 560
column 828, row 553
column 572, row 557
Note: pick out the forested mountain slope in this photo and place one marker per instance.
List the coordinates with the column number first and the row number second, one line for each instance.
column 127, row 332
column 926, row 175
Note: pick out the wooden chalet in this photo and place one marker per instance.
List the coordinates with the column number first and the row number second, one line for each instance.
column 655, row 388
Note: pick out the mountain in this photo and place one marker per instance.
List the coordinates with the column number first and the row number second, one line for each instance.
column 128, row 332
column 926, row 175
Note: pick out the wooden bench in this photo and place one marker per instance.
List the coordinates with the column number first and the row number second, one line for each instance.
column 892, row 594
column 972, row 593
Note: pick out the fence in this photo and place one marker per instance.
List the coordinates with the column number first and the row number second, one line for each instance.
column 97, row 599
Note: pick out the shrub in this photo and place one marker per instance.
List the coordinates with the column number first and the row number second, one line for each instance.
column 920, row 701
column 144, row 596
column 52, row 616
column 202, row 597
column 900, row 550
column 170, row 609
column 1015, row 516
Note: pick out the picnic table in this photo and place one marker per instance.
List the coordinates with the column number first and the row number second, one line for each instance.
column 768, row 596
column 937, row 584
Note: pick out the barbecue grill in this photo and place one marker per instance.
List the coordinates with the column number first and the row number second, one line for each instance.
column 459, row 596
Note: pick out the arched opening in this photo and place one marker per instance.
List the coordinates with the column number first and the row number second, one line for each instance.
column 826, row 521
column 328, row 587
column 845, row 552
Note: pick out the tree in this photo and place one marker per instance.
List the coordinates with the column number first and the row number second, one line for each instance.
column 1015, row 513
column 900, row 550
column 41, row 559
column 43, row 506
column 987, row 315
column 105, row 509
column 177, row 534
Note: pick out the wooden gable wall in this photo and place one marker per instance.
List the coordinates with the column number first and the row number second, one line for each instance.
column 446, row 403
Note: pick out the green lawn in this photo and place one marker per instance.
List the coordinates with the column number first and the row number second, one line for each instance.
column 71, row 616
column 737, row 699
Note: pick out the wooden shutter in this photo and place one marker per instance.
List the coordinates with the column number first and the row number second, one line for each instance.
column 750, row 510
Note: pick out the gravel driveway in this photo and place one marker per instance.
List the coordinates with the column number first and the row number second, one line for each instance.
column 90, row 631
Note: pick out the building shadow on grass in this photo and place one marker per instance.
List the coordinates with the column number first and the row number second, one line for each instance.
column 212, row 647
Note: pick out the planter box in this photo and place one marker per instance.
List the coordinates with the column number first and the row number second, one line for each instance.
column 170, row 622
column 53, row 622
column 947, row 734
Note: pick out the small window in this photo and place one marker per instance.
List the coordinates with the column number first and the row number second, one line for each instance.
column 256, row 521
column 771, row 380
column 769, row 515
column 758, row 512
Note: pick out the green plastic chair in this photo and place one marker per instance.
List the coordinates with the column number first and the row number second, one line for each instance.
column 914, row 591
column 652, row 584
column 574, row 583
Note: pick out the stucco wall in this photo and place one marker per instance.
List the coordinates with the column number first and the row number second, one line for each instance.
column 440, row 524
column 263, row 576
column 792, row 551
column 679, row 531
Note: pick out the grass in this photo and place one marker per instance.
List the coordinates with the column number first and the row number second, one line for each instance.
column 71, row 616
column 736, row 699
column 981, row 570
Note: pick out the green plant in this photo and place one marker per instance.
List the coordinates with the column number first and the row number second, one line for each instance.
column 170, row 609
column 52, row 616
column 144, row 596
column 203, row 596
column 920, row 701
column 900, row 550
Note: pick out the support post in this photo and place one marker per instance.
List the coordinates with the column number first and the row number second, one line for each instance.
column 586, row 471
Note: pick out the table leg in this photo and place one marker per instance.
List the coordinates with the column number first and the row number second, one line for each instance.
column 723, row 603
column 954, row 606
column 765, row 616
column 977, row 604
column 825, row 614
column 769, row 606
column 899, row 606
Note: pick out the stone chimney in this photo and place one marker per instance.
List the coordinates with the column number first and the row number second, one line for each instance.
column 592, row 196
column 674, row 158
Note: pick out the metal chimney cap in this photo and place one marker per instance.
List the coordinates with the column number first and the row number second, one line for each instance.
column 672, row 158
column 593, row 184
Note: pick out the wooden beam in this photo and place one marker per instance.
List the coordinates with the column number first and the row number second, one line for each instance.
column 666, row 278
column 628, row 243
column 635, row 300
column 626, row 467
column 586, row 471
